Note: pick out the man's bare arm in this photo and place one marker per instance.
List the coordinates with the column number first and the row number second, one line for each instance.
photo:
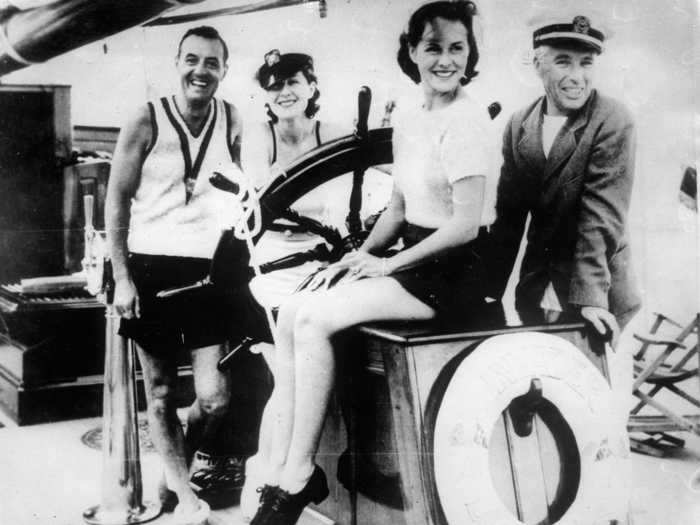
column 130, row 152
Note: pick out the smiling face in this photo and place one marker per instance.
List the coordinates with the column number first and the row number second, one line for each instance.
column 201, row 67
column 289, row 98
column 441, row 55
column 567, row 75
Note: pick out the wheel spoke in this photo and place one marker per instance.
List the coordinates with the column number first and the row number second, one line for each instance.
column 320, row 252
column 330, row 234
column 230, row 265
column 353, row 220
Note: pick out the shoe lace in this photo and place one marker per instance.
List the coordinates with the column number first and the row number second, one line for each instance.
column 267, row 503
column 265, row 493
column 278, row 500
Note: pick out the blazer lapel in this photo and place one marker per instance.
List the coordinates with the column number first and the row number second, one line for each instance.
column 567, row 139
column 530, row 144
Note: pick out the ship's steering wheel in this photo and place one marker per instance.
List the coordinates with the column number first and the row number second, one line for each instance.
column 354, row 154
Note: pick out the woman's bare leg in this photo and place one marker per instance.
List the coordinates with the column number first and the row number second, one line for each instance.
column 321, row 316
column 281, row 404
column 275, row 427
column 257, row 467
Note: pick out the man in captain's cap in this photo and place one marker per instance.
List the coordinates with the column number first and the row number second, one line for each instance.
column 568, row 160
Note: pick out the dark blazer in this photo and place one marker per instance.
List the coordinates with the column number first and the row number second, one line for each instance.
column 578, row 198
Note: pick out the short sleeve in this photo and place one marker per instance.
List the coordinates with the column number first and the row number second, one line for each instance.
column 465, row 148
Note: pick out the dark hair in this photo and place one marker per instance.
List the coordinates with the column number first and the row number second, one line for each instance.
column 280, row 67
column 207, row 32
column 462, row 11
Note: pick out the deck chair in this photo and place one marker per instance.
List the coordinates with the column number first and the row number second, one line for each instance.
column 671, row 368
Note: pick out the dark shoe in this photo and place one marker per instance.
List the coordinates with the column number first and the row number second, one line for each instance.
column 266, row 492
column 220, row 482
column 168, row 499
column 224, row 474
column 279, row 507
column 252, row 496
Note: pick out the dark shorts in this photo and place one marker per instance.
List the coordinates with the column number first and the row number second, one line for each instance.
column 195, row 319
column 451, row 284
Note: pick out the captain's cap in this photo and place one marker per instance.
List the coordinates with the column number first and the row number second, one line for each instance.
column 570, row 28
column 280, row 66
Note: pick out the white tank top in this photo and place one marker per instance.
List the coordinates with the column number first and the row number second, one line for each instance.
column 176, row 211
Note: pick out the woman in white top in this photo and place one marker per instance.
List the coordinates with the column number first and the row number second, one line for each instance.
column 437, row 206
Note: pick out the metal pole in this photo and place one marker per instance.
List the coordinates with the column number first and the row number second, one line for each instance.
column 121, row 502
column 122, row 491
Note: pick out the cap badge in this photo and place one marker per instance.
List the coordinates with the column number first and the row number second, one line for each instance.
column 581, row 24
column 272, row 57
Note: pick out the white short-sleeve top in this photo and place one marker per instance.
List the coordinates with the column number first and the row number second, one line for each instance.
column 433, row 150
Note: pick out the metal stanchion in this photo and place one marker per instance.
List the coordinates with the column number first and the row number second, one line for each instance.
column 121, row 501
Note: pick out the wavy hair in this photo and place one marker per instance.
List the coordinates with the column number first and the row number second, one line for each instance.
column 462, row 11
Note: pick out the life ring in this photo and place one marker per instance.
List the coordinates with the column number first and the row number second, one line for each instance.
column 499, row 370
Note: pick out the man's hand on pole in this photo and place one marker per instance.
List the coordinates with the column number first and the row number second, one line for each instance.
column 126, row 299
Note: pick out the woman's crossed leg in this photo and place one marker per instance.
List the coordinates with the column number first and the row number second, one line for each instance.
column 305, row 364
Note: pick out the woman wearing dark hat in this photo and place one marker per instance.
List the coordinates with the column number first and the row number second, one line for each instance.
column 292, row 94
column 441, row 159
column 292, row 129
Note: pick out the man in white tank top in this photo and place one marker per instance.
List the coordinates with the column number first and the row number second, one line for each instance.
column 163, row 222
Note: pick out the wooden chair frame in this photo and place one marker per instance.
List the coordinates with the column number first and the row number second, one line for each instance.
column 662, row 374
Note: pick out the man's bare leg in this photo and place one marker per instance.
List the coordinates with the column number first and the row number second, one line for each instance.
column 212, row 390
column 160, row 377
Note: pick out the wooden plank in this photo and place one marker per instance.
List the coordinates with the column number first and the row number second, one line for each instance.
column 52, row 284
column 62, row 121
column 526, row 469
column 312, row 517
column 95, row 138
column 401, row 379
column 657, row 423
column 501, row 466
column 423, row 333
column 680, row 421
